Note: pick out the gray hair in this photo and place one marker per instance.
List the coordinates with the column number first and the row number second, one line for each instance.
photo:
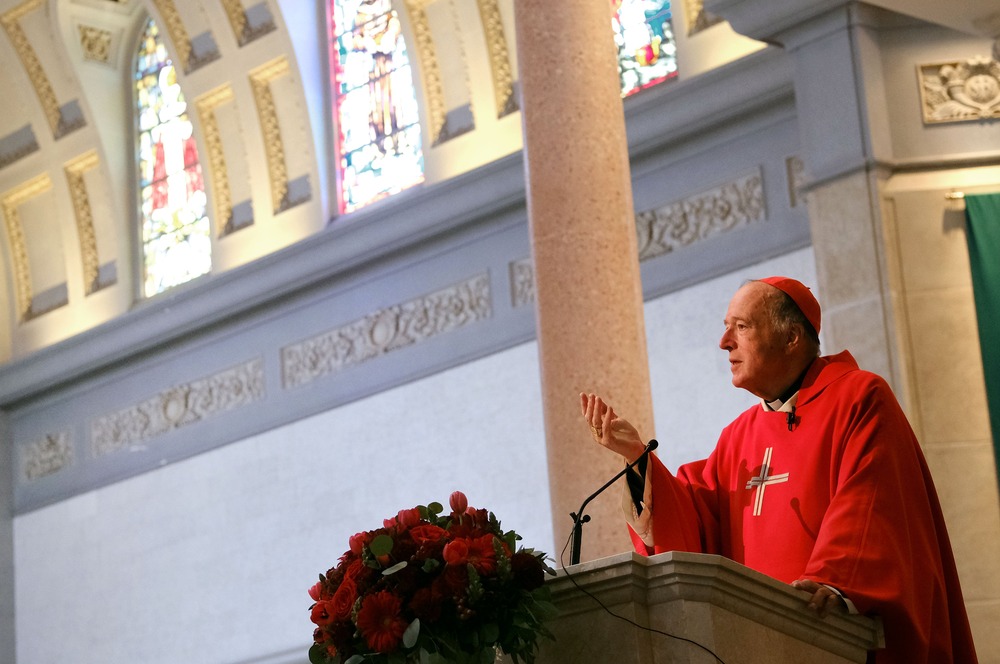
column 784, row 313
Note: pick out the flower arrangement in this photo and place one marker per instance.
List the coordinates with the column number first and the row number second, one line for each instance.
column 432, row 589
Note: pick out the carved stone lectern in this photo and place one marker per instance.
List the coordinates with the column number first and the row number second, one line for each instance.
column 734, row 614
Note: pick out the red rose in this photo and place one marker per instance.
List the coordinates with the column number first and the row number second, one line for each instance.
column 359, row 541
column 380, row 622
column 456, row 552
column 459, row 503
column 471, row 524
column 482, row 556
column 316, row 592
column 408, row 518
column 427, row 534
column 321, row 613
column 358, row 572
column 343, row 600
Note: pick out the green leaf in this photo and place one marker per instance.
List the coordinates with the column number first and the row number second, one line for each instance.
column 475, row 587
column 435, row 508
column 489, row 633
column 411, row 633
column 317, row 654
column 355, row 659
column 381, row 545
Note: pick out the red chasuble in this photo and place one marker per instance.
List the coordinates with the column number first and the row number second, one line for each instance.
column 838, row 492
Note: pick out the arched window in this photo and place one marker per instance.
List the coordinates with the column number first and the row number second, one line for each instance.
column 175, row 231
column 647, row 53
column 375, row 104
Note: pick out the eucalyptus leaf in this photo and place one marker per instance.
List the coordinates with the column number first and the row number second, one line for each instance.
column 395, row 568
column 317, row 654
column 355, row 659
column 411, row 633
column 381, row 545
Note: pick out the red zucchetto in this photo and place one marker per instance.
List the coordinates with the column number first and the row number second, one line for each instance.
column 801, row 295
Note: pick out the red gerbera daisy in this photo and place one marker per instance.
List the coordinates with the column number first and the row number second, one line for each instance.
column 380, row 621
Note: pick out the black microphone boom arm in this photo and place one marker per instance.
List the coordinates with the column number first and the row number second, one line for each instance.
column 579, row 518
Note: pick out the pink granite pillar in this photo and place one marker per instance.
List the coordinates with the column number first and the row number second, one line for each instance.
column 591, row 335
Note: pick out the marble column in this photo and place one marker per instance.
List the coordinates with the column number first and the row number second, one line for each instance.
column 591, row 333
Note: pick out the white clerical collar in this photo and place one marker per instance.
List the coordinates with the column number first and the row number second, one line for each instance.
column 781, row 406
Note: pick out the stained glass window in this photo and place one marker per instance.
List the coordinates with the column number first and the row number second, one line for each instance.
column 375, row 109
column 647, row 53
column 175, row 230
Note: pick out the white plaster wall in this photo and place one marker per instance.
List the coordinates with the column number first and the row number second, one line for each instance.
column 208, row 560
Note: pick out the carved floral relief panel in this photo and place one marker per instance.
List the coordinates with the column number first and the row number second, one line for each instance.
column 178, row 406
column 386, row 330
column 960, row 91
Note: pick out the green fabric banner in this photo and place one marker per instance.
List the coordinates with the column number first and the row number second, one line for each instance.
column 983, row 215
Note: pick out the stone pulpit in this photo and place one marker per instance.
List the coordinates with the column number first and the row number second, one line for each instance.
column 699, row 609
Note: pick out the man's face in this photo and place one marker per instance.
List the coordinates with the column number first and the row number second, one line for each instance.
column 758, row 354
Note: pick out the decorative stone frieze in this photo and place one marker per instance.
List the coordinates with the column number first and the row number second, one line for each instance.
column 177, row 407
column 522, row 282
column 721, row 209
column 386, row 330
column 46, row 456
column 962, row 91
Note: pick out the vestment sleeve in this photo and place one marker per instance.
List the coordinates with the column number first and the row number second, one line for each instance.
column 677, row 513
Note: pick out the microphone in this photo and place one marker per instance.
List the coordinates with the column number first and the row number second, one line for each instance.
column 579, row 518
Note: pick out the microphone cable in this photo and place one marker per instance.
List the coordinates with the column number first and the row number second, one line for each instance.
column 611, row 613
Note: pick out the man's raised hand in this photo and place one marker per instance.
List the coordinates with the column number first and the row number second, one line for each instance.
column 609, row 430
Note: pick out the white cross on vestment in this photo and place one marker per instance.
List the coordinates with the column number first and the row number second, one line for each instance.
column 761, row 481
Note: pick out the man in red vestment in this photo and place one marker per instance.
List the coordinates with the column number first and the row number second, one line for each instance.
column 823, row 485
